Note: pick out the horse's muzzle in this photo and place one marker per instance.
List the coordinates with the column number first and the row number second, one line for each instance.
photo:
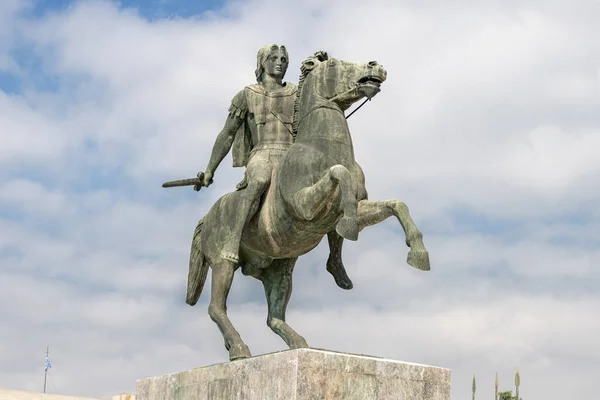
column 374, row 75
column 368, row 90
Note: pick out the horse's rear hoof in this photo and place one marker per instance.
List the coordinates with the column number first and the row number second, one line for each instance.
column 239, row 352
column 348, row 228
column 418, row 259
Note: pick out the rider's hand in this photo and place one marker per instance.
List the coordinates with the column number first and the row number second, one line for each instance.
column 207, row 179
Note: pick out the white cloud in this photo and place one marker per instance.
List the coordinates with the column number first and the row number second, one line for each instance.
column 487, row 128
column 9, row 9
column 28, row 135
column 31, row 197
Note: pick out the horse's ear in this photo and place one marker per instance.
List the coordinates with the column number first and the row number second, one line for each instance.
column 312, row 61
column 322, row 55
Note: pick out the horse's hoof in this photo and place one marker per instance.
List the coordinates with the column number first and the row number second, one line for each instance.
column 239, row 352
column 348, row 228
column 418, row 259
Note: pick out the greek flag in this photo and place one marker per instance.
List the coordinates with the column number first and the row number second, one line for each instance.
column 48, row 365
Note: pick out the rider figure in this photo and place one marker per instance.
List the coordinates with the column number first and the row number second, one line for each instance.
column 259, row 127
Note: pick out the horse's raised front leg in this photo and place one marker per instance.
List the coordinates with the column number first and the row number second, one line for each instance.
column 373, row 212
column 222, row 276
column 312, row 199
column 277, row 281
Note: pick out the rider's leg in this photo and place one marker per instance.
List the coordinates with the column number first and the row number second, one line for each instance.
column 335, row 265
column 258, row 177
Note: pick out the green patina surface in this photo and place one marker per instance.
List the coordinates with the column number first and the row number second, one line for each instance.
column 301, row 183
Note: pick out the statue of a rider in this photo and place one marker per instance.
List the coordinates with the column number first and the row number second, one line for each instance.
column 259, row 128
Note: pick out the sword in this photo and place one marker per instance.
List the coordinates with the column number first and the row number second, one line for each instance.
column 196, row 182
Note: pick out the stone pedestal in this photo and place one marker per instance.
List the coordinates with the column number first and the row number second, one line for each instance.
column 302, row 374
column 22, row 395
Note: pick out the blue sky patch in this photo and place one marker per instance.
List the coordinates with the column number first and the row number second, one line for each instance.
column 151, row 9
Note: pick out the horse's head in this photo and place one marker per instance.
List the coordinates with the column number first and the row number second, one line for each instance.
column 339, row 81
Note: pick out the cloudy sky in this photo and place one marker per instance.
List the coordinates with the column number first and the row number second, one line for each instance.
column 487, row 127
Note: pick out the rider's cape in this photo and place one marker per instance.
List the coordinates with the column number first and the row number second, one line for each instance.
column 242, row 143
column 247, row 101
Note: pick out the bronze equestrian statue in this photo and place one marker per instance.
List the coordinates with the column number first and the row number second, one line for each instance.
column 316, row 188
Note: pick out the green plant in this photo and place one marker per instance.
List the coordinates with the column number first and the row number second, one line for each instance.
column 496, row 395
column 507, row 396
column 517, row 383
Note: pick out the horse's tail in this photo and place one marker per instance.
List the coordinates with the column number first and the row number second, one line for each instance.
column 198, row 267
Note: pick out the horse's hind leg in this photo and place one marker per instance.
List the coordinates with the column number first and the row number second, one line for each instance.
column 312, row 199
column 222, row 276
column 277, row 281
column 374, row 212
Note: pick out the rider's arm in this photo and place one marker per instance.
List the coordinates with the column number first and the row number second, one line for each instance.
column 224, row 141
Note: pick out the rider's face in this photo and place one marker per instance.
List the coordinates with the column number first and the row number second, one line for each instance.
column 276, row 64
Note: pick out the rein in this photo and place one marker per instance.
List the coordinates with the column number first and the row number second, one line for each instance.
column 331, row 105
column 325, row 105
column 356, row 109
column 328, row 104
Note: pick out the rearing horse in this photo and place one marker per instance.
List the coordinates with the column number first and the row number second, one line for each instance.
column 318, row 187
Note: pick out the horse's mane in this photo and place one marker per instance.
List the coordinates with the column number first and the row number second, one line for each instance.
column 306, row 67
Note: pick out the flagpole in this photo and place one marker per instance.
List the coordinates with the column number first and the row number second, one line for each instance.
column 46, row 369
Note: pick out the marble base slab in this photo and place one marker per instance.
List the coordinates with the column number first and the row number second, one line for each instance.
column 302, row 374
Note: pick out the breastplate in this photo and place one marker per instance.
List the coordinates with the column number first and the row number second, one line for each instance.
column 270, row 114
